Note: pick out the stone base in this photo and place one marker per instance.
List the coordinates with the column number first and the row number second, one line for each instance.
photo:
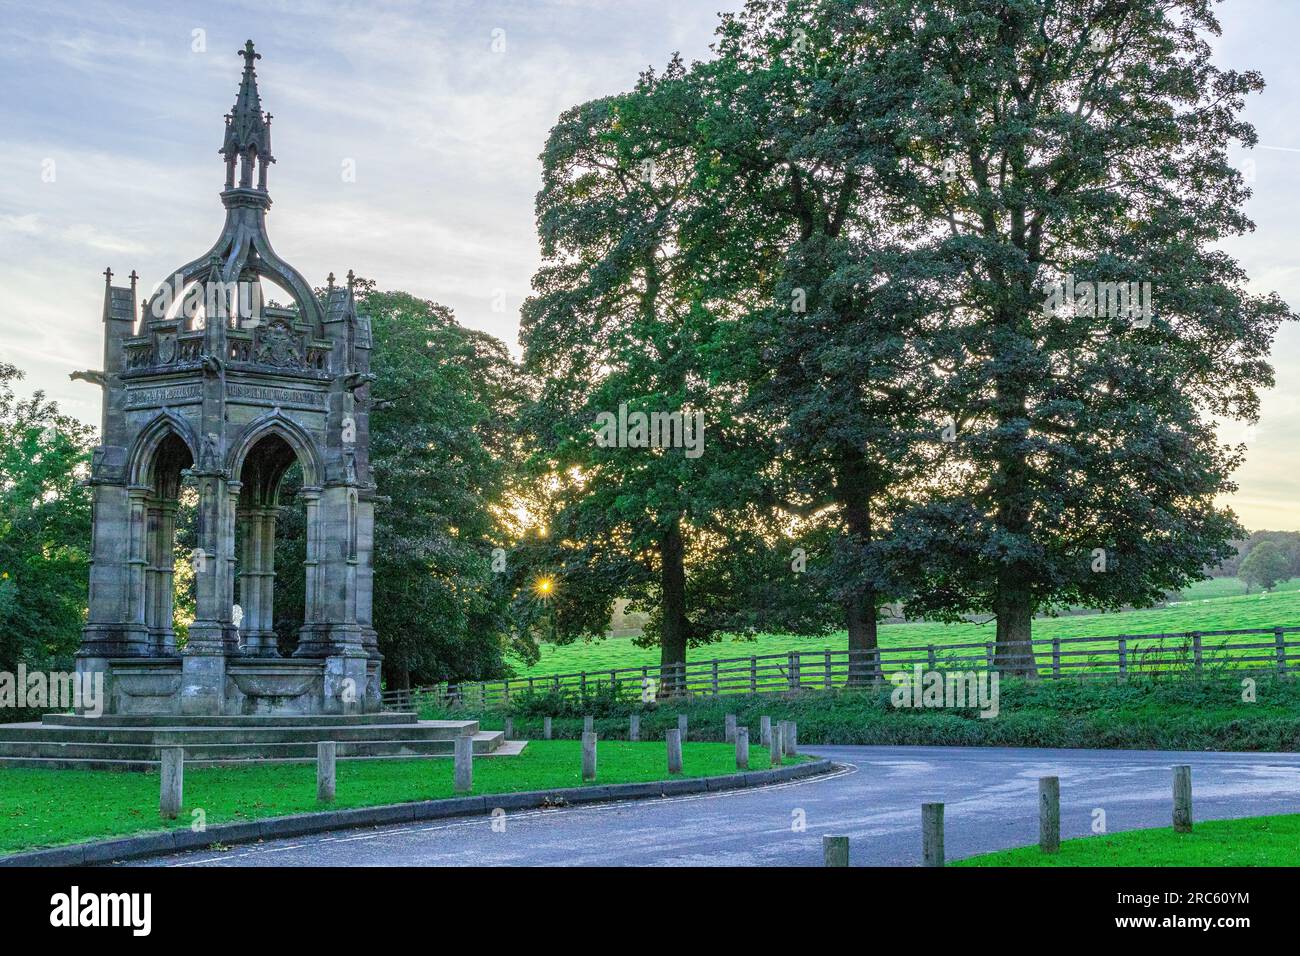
column 216, row 685
column 133, row 742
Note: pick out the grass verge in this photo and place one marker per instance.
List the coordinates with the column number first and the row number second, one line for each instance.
column 1254, row 841
column 40, row 808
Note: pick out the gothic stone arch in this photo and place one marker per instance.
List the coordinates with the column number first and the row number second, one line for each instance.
column 233, row 391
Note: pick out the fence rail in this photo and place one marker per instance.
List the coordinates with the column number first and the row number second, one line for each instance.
column 1191, row 652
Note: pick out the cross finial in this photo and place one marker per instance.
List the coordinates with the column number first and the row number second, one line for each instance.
column 249, row 55
column 108, row 276
column 329, row 281
column 351, row 279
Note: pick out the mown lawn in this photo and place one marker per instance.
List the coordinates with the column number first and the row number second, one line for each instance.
column 51, row 807
column 1255, row 841
column 1226, row 611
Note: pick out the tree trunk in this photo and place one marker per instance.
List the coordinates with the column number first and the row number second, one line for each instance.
column 1014, row 607
column 672, row 650
column 853, row 484
column 860, row 614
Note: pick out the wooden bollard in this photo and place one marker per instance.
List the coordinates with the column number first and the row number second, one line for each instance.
column 634, row 727
column 674, row 738
column 742, row 748
column 464, row 770
column 932, row 834
column 1183, row 799
column 1049, row 814
column 589, row 725
column 835, row 850
column 765, row 731
column 774, row 745
column 171, row 791
column 546, row 728
column 510, row 728
column 729, row 727
column 589, row 755
column 681, row 726
column 326, row 756
column 789, row 738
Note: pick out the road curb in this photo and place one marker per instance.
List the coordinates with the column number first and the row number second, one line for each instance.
column 304, row 824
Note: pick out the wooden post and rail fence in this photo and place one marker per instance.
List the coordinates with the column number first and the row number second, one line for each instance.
column 1257, row 650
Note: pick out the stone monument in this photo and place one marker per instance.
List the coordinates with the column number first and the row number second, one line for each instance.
column 207, row 381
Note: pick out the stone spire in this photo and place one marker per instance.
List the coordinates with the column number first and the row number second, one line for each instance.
column 248, row 129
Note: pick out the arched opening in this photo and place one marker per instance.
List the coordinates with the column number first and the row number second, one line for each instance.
column 160, row 497
column 271, row 604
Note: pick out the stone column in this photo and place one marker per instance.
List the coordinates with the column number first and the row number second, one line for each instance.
column 153, row 558
column 311, row 564
column 137, row 560
column 266, row 584
column 203, row 675
column 336, row 635
column 257, row 579
column 166, row 641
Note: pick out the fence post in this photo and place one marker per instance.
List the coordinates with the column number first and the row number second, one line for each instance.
column 715, row 679
column 172, row 784
column 507, row 690
column 509, row 731
column 932, row 834
column 774, row 744
column 463, row 771
column 789, row 738
column 988, row 660
column 583, row 685
column 588, row 755
column 931, row 658
column 1279, row 640
column 829, row 681
column 1049, row 814
column 765, row 730
column 326, row 753
column 1123, row 657
column 546, row 728
column 791, row 678
column 674, row 739
column 588, row 724
column 1183, row 799
column 742, row 748
column 835, row 850
column 729, row 727
column 634, row 727
column 1056, row 657
column 753, row 675
column 1196, row 650
column 681, row 727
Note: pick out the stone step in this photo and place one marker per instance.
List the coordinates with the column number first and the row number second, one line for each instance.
column 218, row 752
column 234, row 720
column 186, row 736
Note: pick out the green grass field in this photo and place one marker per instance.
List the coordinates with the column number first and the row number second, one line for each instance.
column 51, row 807
column 1255, row 841
column 1215, row 605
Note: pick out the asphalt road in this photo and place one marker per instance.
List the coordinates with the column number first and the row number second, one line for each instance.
column 991, row 798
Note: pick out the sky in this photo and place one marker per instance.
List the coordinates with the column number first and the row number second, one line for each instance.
column 406, row 138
